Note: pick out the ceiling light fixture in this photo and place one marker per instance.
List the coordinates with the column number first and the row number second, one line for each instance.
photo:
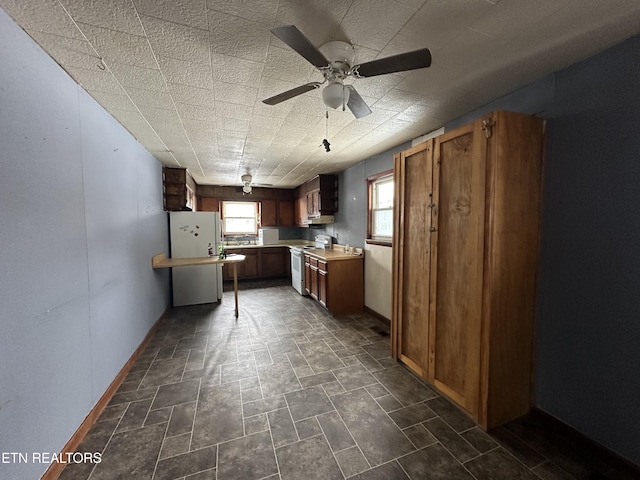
column 335, row 94
column 246, row 184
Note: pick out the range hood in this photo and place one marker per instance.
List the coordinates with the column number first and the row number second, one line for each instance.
column 322, row 219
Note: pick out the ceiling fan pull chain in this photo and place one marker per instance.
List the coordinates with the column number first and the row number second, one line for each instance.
column 343, row 102
column 326, row 125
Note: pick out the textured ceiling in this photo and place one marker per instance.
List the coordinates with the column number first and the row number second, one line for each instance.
column 186, row 77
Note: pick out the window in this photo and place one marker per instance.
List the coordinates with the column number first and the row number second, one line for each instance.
column 240, row 218
column 380, row 222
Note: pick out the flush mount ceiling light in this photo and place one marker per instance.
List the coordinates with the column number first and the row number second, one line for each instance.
column 246, row 183
column 335, row 60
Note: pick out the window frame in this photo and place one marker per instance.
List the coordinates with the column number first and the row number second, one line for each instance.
column 371, row 181
column 224, row 218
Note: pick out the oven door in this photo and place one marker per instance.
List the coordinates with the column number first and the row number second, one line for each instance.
column 297, row 270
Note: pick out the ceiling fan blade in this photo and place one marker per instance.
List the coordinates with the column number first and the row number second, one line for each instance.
column 293, row 37
column 294, row 92
column 356, row 104
column 396, row 63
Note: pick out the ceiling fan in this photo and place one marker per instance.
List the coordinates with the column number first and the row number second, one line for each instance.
column 335, row 61
column 247, row 184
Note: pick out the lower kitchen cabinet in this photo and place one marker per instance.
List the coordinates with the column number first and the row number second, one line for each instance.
column 337, row 285
column 260, row 262
column 322, row 283
column 311, row 276
column 275, row 262
column 246, row 269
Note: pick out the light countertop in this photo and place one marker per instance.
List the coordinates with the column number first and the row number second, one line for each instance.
column 336, row 253
column 162, row 261
column 281, row 243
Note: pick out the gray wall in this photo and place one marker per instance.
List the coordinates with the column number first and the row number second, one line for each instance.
column 350, row 225
column 588, row 305
column 588, row 319
column 80, row 218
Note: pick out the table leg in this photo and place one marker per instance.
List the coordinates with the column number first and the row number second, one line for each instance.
column 235, row 285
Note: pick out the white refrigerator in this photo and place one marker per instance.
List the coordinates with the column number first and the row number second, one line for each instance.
column 190, row 236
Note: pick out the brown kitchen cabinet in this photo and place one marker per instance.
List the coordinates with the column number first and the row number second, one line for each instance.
column 301, row 212
column 275, row 262
column 260, row 262
column 466, row 226
column 311, row 276
column 277, row 213
column 179, row 189
column 286, row 215
column 315, row 198
column 269, row 213
column 337, row 285
column 322, row 283
column 322, row 195
column 248, row 268
column 313, row 204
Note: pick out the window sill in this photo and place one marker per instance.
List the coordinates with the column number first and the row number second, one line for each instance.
column 383, row 243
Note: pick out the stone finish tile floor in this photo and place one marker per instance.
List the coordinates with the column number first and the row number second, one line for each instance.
column 288, row 392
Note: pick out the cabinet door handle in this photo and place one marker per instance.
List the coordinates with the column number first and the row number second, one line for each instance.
column 432, row 229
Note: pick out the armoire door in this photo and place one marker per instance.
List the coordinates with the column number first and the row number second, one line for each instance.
column 411, row 251
column 457, row 264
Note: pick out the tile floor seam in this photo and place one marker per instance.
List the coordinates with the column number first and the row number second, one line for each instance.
column 347, row 428
column 195, row 413
column 273, row 447
column 551, row 463
column 155, row 467
column 513, row 457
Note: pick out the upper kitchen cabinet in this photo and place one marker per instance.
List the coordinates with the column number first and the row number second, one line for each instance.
column 316, row 198
column 322, row 196
column 277, row 213
column 179, row 189
column 464, row 263
column 276, row 204
column 301, row 211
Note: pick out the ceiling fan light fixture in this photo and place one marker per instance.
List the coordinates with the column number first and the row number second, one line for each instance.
column 246, row 183
column 335, row 95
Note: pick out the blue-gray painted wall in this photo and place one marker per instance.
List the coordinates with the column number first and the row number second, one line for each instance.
column 80, row 218
column 588, row 315
column 350, row 226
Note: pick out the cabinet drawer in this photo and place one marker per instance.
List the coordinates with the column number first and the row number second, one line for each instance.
column 322, row 265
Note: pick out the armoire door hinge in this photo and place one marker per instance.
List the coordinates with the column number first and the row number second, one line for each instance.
column 486, row 126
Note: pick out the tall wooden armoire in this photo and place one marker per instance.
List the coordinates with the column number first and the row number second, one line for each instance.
column 466, row 229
